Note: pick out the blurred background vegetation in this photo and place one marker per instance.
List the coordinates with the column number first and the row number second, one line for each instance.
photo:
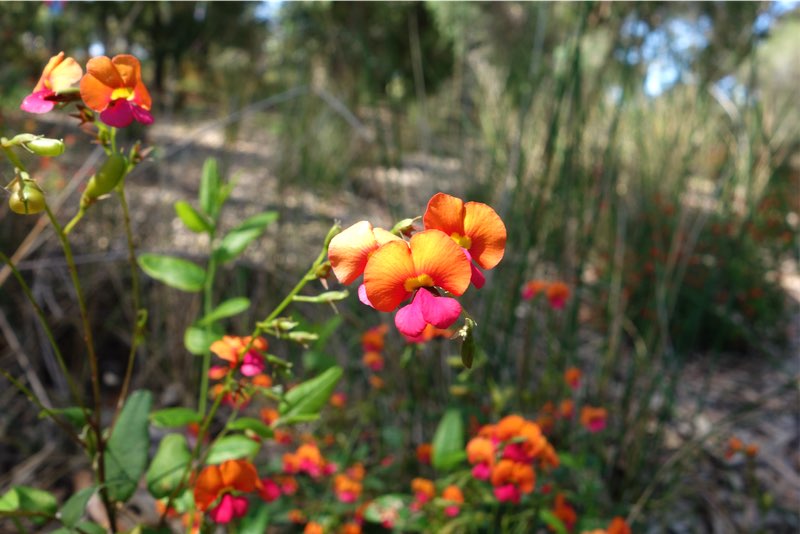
column 644, row 153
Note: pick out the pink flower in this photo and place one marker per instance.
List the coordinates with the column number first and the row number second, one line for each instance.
column 58, row 75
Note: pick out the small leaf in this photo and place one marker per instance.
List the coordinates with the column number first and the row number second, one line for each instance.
column 126, row 450
column 468, row 345
column 293, row 419
column 309, row 397
column 209, row 188
column 552, row 521
column 73, row 509
column 73, row 414
column 228, row 308
column 197, row 339
column 29, row 500
column 448, row 441
column 174, row 272
column 253, row 425
column 232, row 448
column 234, row 243
column 168, row 466
column 175, row 417
column 193, row 219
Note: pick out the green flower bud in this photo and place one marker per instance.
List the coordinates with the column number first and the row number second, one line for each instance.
column 42, row 146
column 26, row 197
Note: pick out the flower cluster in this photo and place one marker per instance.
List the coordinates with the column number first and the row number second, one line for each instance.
column 557, row 293
column 242, row 355
column 348, row 485
column 505, row 453
column 424, row 491
column 113, row 88
column 435, row 262
column 736, row 445
column 309, row 460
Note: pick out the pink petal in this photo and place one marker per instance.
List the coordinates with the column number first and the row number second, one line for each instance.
column 362, row 296
column 452, row 511
column 223, row 512
column 118, row 114
column 482, row 471
column 478, row 280
column 409, row 320
column 441, row 312
column 142, row 115
column 36, row 103
column 252, row 364
column 507, row 493
column 239, row 506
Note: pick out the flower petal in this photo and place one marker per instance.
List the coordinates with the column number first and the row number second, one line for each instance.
column 95, row 94
column 223, row 512
column 386, row 273
column 65, row 75
column 349, row 251
column 44, row 79
column 142, row 115
column 240, row 475
column 362, row 296
column 118, row 114
column 104, row 70
column 207, row 487
column 477, row 278
column 239, row 506
column 441, row 312
column 434, row 253
column 445, row 213
column 409, row 320
column 36, row 103
column 129, row 69
column 488, row 234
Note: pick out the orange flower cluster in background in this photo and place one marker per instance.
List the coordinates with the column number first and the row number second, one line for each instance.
column 112, row 88
column 242, row 355
column 505, row 455
column 309, row 460
column 557, row 293
column 736, row 446
column 433, row 266
column 618, row 525
column 424, row 492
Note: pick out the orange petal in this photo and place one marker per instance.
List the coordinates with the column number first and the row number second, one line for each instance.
column 226, row 348
column 45, row 77
column 128, row 68
column 445, row 213
column 384, row 236
column 65, row 75
column 104, row 70
column 386, row 273
column 142, row 96
column 488, row 234
column 240, row 475
column 349, row 251
column 95, row 94
column 207, row 487
column 438, row 256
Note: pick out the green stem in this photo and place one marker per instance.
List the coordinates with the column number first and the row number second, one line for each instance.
column 12, row 157
column 77, row 398
column 95, row 372
column 208, row 305
column 75, row 220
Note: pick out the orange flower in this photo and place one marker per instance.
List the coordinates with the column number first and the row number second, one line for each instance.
column 423, row 490
column 594, row 419
column 734, row 445
column 508, row 427
column 58, row 75
column 557, row 294
column 232, row 350
column 456, row 499
column 481, row 450
column 350, row 249
column 372, row 340
column 618, row 525
column 307, row 459
column 566, row 409
column 398, row 268
column 751, row 450
column 114, row 88
column 373, row 361
column 533, row 288
column 572, row 377
column 347, row 489
column 350, row 528
column 510, row 479
column 313, row 528
column 474, row 226
column 219, row 482
column 565, row 512
column 297, row 516
column 376, row 382
column 338, row 399
column 424, row 451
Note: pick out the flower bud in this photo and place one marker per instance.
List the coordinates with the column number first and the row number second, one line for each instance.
column 404, row 227
column 43, row 146
column 26, row 197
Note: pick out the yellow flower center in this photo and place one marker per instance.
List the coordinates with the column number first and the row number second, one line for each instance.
column 462, row 240
column 122, row 92
column 423, row 280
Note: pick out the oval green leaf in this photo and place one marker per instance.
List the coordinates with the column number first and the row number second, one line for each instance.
column 253, row 425
column 174, row 272
column 229, row 308
column 193, row 219
column 73, row 509
column 168, row 466
column 175, row 417
column 232, row 448
column 234, row 243
column 448, row 441
column 309, row 397
column 126, row 450
column 28, row 499
column 209, row 188
column 197, row 339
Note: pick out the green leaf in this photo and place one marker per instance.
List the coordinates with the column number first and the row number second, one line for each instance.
column 256, row 521
column 168, row 466
column 73, row 414
column 174, row 272
column 550, row 519
column 293, row 419
column 29, row 500
column 209, row 188
column 193, row 219
column 175, row 417
column 448, row 441
column 234, row 243
column 89, row 527
column 232, row 448
column 197, row 339
column 253, row 425
column 228, row 308
column 73, row 509
column 126, row 450
column 309, row 397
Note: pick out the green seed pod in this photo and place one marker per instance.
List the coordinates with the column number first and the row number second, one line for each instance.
column 26, row 197
column 43, row 146
column 106, row 178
